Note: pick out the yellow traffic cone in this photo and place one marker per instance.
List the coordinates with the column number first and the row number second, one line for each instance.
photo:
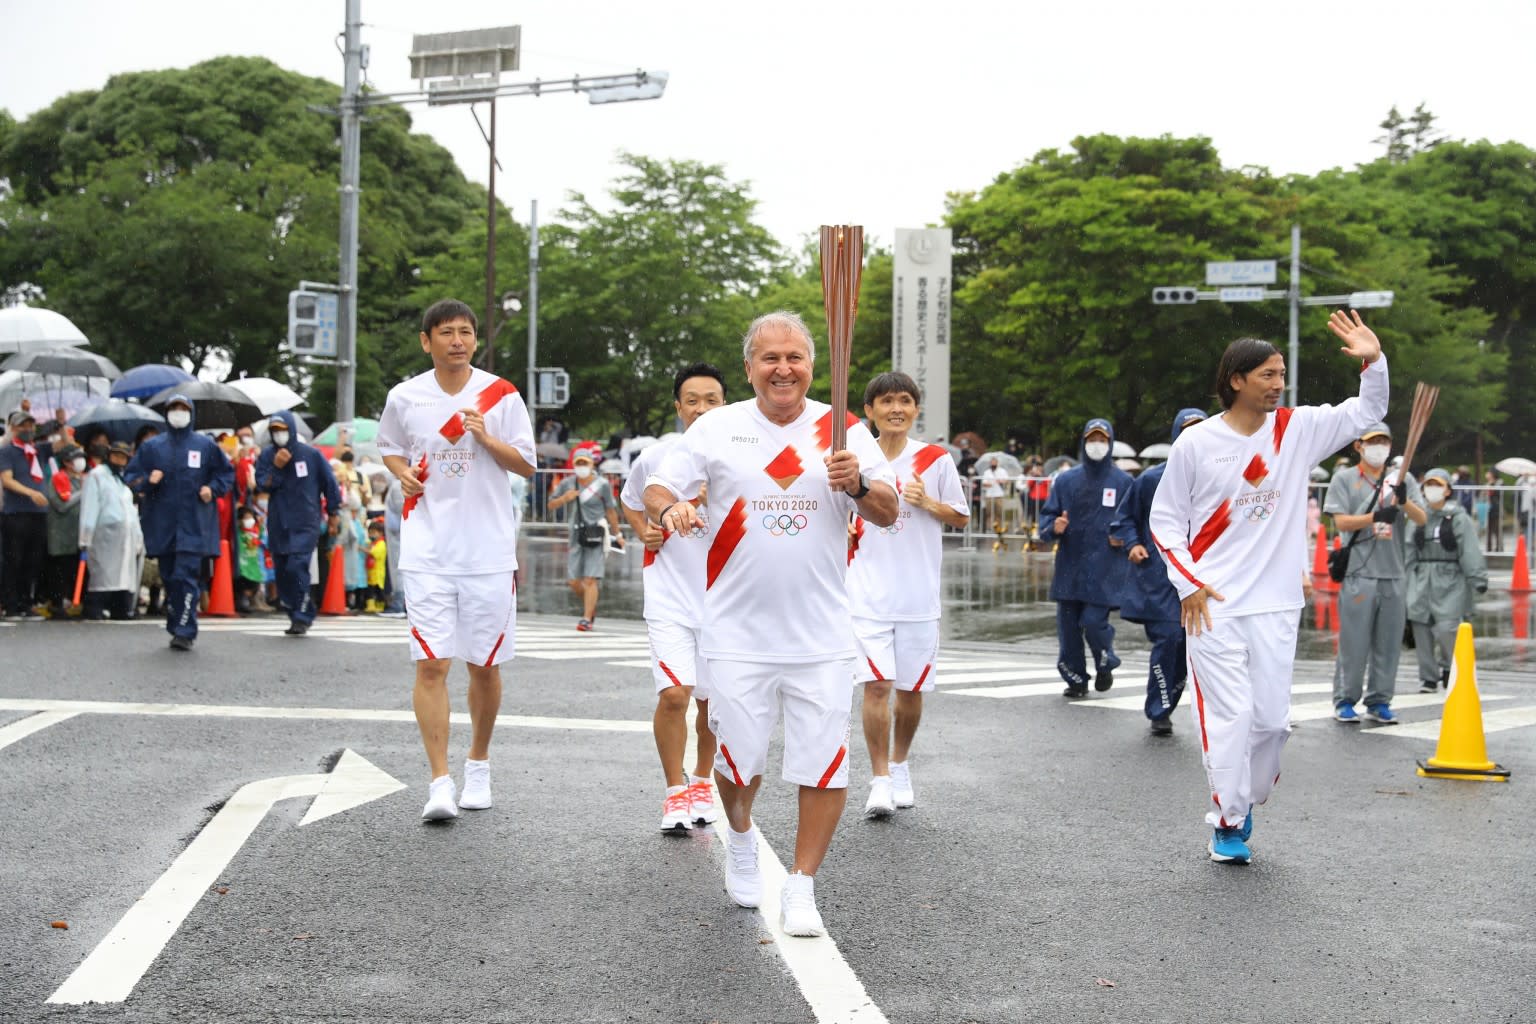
column 1462, row 752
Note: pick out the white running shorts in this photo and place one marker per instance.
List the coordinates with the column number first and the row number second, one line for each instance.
column 903, row 652
column 472, row 618
column 675, row 658
column 744, row 708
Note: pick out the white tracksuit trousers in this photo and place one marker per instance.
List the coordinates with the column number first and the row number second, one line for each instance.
column 1241, row 673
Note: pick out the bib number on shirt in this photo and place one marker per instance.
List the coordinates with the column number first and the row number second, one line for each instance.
column 301, row 469
column 194, row 459
column 1109, row 497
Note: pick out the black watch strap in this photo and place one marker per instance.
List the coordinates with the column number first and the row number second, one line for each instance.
column 863, row 487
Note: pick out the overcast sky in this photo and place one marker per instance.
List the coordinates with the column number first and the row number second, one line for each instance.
column 858, row 112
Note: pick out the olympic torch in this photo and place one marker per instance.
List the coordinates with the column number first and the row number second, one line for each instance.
column 842, row 267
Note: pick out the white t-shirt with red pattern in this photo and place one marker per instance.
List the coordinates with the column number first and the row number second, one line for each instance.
column 673, row 575
column 893, row 571
column 774, row 587
column 464, row 521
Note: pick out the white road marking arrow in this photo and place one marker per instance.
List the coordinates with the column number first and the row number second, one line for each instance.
column 117, row 963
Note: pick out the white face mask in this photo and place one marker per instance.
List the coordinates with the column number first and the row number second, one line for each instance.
column 247, row 522
column 77, row 464
column 583, row 471
column 280, row 438
column 1434, row 494
column 1096, row 450
column 178, row 418
column 1376, row 455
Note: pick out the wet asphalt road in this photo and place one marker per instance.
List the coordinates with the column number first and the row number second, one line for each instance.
column 1055, row 846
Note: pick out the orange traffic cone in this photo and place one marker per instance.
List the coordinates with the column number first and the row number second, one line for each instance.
column 1320, row 554
column 221, row 595
column 335, row 600
column 1520, row 578
column 1462, row 752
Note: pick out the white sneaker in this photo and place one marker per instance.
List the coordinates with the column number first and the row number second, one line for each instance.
column 901, row 785
column 743, row 880
column 882, row 801
column 702, row 798
column 440, row 802
column 797, row 907
column 677, row 810
column 477, row 786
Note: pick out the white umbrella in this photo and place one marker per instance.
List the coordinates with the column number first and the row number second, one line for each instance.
column 1129, row 465
column 269, row 395
column 1156, row 451
column 1121, row 450
column 28, row 328
column 1514, row 466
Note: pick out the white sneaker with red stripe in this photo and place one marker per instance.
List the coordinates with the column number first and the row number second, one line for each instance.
column 901, row 785
column 701, row 796
column 677, row 810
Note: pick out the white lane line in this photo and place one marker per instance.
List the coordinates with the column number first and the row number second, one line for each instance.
column 1324, row 709
column 27, row 726
column 102, row 707
column 826, row 980
column 1139, row 701
column 1021, row 690
column 947, row 677
column 1497, row 720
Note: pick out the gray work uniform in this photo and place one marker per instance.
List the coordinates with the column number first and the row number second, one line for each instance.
column 590, row 509
column 1372, row 611
column 1444, row 566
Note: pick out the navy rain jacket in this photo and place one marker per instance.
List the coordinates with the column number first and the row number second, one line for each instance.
column 294, row 515
column 175, row 519
column 1087, row 568
column 1148, row 596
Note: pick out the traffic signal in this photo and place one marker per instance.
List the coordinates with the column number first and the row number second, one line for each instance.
column 1173, row 296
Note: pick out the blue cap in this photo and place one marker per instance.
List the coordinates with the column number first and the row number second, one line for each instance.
column 1100, row 425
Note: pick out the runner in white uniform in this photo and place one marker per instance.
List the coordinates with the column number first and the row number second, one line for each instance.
column 1227, row 518
column 776, row 621
column 449, row 436
column 893, row 585
column 673, row 572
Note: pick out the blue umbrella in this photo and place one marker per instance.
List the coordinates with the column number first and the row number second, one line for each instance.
column 149, row 379
column 122, row 420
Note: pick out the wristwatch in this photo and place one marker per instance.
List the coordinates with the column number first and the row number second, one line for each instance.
column 863, row 488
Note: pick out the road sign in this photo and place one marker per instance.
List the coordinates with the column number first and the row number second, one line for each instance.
column 312, row 319
column 1173, row 296
column 1370, row 300
column 1241, row 294
column 1241, row 272
column 117, row 963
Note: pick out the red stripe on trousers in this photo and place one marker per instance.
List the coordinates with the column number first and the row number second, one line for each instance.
column 832, row 768
column 675, row 681
column 1199, row 706
column 736, row 775
column 919, row 684
column 499, row 638
column 425, row 649
column 875, row 670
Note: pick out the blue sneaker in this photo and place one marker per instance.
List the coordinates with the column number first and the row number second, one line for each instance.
column 1227, row 847
column 1381, row 713
column 1247, row 829
column 1346, row 713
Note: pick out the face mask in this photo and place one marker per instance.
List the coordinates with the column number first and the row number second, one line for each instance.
column 1096, row 450
column 261, row 504
column 25, row 436
column 117, row 470
column 583, row 471
column 1434, row 495
column 1376, row 455
column 280, row 438
column 248, row 522
column 78, row 464
column 54, row 439
column 178, row 418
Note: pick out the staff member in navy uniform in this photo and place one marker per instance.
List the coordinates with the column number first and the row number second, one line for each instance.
column 296, row 477
column 177, row 476
column 1089, row 573
column 1148, row 597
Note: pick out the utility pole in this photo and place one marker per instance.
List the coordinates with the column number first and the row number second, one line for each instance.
column 1244, row 280
column 491, row 305
column 351, row 155
column 533, row 307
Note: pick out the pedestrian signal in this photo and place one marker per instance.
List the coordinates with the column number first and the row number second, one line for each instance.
column 1173, row 296
column 312, row 320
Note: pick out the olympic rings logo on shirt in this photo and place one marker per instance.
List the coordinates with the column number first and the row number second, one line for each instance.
column 895, row 527
column 455, row 468
column 1258, row 513
column 784, row 525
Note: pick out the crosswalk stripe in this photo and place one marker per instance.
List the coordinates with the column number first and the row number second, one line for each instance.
column 1497, row 720
column 1324, row 708
column 1020, row 690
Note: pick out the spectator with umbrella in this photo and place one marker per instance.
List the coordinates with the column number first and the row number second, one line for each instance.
column 296, row 478
column 24, row 469
column 177, row 475
column 111, row 539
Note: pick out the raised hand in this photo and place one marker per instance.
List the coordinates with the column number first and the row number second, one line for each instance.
column 1360, row 341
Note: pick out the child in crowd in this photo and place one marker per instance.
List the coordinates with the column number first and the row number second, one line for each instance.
column 251, row 561
column 377, row 561
column 268, row 571
column 354, row 541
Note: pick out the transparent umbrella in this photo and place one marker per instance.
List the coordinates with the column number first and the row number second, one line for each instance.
column 25, row 328
column 269, row 395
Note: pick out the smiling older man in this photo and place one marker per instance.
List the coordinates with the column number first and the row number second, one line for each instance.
column 777, row 627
